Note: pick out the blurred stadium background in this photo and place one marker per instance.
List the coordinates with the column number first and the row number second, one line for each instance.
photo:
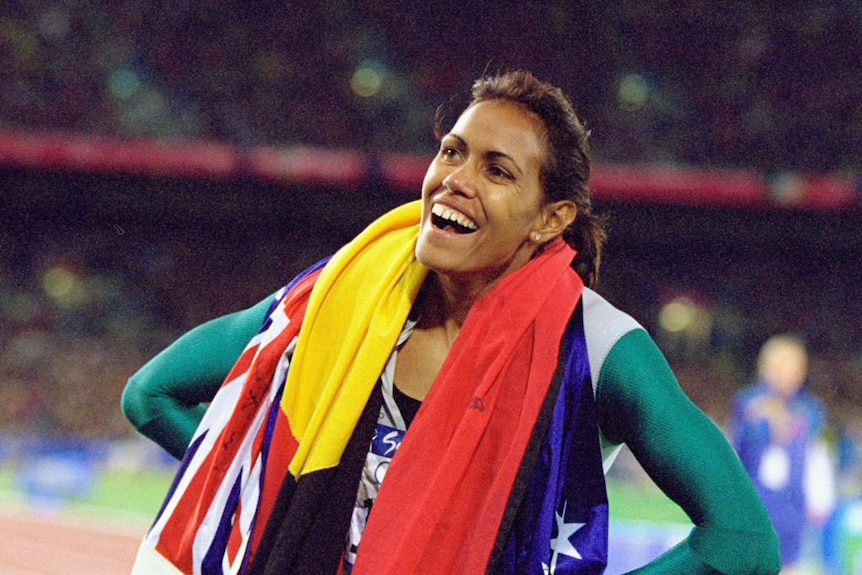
column 165, row 162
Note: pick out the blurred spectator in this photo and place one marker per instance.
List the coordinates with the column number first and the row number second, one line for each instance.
column 778, row 430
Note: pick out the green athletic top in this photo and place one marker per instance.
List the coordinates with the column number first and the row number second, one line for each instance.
column 639, row 403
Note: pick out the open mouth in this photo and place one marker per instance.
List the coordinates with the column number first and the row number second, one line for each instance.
column 447, row 218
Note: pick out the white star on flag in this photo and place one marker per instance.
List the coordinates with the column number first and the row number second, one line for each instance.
column 560, row 545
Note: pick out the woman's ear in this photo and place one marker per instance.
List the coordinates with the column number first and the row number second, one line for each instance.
column 555, row 217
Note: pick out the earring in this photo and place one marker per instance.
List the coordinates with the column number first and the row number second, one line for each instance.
column 537, row 237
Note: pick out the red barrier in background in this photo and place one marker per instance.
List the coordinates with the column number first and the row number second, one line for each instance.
column 304, row 165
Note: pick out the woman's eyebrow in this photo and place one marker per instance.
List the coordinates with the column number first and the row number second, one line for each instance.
column 491, row 155
column 461, row 140
column 494, row 155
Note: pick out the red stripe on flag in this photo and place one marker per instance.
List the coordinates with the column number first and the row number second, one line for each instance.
column 284, row 446
column 234, row 544
column 242, row 364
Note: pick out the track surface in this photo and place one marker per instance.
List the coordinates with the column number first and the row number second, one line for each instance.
column 41, row 542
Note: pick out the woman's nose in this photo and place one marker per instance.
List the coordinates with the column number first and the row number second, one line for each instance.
column 461, row 180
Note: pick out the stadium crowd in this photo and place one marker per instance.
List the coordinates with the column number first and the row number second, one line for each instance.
column 762, row 84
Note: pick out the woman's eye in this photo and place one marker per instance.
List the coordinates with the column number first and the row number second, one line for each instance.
column 498, row 172
column 449, row 153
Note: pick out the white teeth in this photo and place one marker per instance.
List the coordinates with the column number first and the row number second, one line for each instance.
column 453, row 216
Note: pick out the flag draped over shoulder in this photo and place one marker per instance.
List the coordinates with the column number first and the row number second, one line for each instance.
column 267, row 417
column 292, row 406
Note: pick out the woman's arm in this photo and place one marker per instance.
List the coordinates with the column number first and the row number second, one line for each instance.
column 641, row 404
column 164, row 399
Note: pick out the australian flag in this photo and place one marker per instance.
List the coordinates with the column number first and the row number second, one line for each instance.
column 561, row 527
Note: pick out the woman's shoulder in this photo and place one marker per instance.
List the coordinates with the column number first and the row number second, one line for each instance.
column 598, row 310
column 604, row 325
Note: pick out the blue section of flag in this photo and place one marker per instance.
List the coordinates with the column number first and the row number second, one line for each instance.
column 212, row 561
column 563, row 527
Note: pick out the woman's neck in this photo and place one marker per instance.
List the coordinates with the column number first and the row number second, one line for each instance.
column 447, row 300
column 445, row 303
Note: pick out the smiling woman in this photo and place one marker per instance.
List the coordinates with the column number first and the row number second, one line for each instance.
column 487, row 174
column 445, row 393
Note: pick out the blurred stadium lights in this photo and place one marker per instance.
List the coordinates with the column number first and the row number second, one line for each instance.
column 633, row 93
column 685, row 326
column 682, row 315
column 64, row 287
column 123, row 83
column 368, row 79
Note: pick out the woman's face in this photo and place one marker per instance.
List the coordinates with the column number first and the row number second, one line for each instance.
column 482, row 194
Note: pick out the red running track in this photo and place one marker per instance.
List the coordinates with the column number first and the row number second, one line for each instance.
column 41, row 542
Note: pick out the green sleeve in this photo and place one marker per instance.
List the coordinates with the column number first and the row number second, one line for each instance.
column 641, row 404
column 165, row 399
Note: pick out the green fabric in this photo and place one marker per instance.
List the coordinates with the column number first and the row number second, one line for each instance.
column 688, row 457
column 164, row 399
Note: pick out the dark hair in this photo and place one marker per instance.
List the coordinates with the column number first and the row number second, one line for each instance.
column 567, row 170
